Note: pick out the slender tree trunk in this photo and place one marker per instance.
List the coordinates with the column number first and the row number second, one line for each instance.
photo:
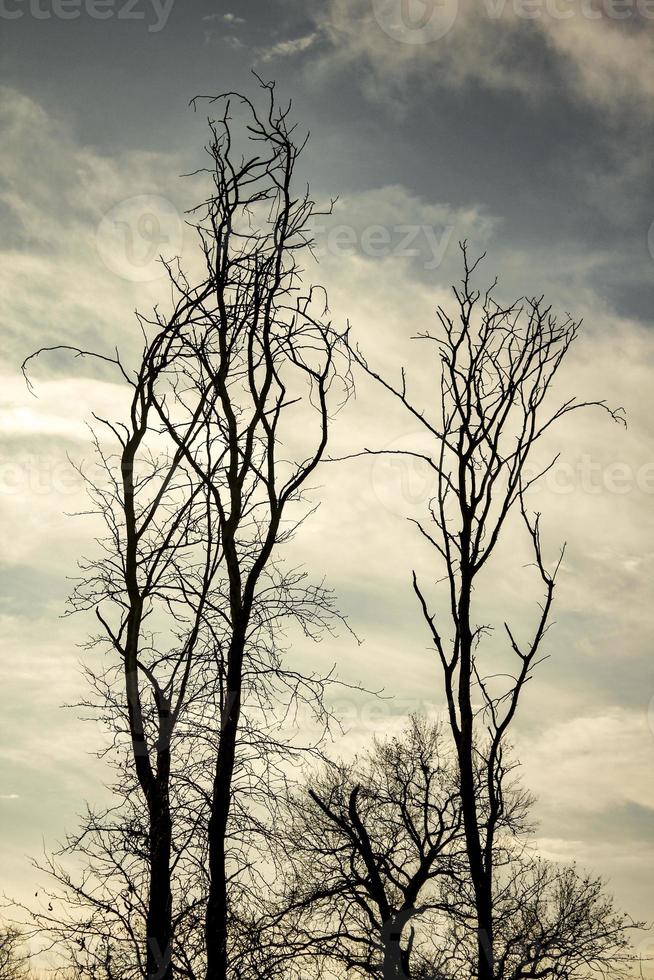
column 160, row 903
column 217, row 908
column 217, row 901
column 155, row 786
column 480, row 875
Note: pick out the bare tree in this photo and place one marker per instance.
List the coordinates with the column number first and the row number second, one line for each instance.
column 158, row 558
column 90, row 913
column 381, row 884
column 228, row 419
column 551, row 920
column 368, row 841
column 14, row 960
column 496, row 365
column 265, row 365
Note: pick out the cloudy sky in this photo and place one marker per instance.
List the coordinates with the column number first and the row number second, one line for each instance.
column 523, row 125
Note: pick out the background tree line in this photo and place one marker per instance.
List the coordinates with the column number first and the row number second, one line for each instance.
column 235, row 846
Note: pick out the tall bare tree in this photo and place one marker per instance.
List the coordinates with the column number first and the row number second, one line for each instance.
column 496, row 366
column 228, row 418
column 157, row 561
column 266, row 365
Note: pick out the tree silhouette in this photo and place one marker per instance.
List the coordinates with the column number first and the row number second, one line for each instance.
column 496, row 365
column 265, row 365
column 14, row 961
column 228, row 418
column 380, row 883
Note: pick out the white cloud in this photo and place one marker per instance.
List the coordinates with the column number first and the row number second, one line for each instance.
column 290, row 47
column 605, row 59
column 593, row 762
column 53, row 277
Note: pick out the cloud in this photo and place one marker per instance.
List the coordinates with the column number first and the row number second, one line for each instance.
column 594, row 762
column 289, row 48
column 390, row 225
column 584, row 735
column 226, row 18
column 593, row 776
column 60, row 277
column 520, row 46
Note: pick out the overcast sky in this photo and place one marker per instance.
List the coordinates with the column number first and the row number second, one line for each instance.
column 523, row 125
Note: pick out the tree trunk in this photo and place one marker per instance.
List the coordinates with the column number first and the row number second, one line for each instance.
column 396, row 961
column 159, row 928
column 159, row 916
column 481, row 876
column 216, row 915
column 217, row 901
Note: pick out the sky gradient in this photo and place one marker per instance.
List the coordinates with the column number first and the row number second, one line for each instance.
column 523, row 126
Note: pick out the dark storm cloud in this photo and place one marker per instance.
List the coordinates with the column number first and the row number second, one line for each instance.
column 530, row 152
